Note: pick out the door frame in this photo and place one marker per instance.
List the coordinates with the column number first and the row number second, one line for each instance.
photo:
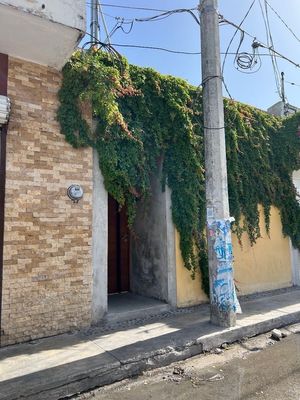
column 100, row 246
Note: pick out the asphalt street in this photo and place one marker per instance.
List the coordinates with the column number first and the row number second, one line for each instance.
column 256, row 369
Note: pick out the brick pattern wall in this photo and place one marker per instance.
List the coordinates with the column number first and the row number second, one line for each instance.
column 47, row 239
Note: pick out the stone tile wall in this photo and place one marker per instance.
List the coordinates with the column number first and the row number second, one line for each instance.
column 47, row 240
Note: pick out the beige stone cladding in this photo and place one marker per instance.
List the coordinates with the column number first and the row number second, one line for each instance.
column 47, row 275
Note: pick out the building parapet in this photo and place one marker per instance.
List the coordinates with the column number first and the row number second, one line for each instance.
column 42, row 31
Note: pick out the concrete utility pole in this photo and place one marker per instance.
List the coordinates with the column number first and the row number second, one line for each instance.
column 224, row 303
column 95, row 22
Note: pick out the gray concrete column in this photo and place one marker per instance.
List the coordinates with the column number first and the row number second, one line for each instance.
column 171, row 251
column 99, row 243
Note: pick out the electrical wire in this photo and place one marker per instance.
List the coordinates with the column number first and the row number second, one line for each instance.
column 119, row 25
column 131, row 8
column 270, row 44
column 167, row 14
column 259, row 43
column 235, row 33
column 208, row 78
column 104, row 22
column 222, row 21
column 274, row 59
column 104, row 46
column 292, row 83
column 244, row 61
column 247, row 63
column 161, row 16
column 284, row 23
column 136, row 46
column 230, row 43
column 120, row 21
column 157, row 48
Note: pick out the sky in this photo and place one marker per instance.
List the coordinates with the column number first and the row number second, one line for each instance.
column 180, row 32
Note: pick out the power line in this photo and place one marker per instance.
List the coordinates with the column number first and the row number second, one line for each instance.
column 272, row 52
column 157, row 48
column 235, row 33
column 159, row 17
column 258, row 42
column 292, row 83
column 167, row 14
column 131, row 8
column 270, row 44
column 104, row 22
column 121, row 21
column 193, row 53
column 284, row 23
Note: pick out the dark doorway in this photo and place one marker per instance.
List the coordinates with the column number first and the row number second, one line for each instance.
column 118, row 248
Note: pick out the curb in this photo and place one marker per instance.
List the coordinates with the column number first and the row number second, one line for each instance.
column 86, row 375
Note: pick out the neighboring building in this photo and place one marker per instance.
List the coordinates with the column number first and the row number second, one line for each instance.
column 296, row 179
column 59, row 259
column 282, row 109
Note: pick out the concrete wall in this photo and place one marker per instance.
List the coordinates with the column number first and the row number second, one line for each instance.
column 296, row 179
column 42, row 31
column 265, row 266
column 70, row 13
column 189, row 291
column 152, row 247
column 296, row 253
column 100, row 244
column 47, row 274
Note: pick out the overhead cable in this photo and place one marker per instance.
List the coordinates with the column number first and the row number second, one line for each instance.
column 292, row 83
column 270, row 44
column 173, row 51
column 126, row 7
column 258, row 42
column 103, row 21
column 284, row 23
column 235, row 33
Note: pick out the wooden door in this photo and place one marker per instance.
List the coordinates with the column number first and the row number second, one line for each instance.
column 118, row 248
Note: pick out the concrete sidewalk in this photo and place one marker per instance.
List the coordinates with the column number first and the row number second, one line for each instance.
column 60, row 366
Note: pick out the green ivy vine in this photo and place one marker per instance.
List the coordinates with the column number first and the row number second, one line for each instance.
column 145, row 119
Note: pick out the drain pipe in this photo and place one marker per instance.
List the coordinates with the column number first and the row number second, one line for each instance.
column 4, row 115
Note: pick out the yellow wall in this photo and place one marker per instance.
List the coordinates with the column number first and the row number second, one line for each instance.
column 267, row 264
column 264, row 266
column 189, row 291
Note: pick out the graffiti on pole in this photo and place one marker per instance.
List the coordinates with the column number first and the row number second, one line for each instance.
column 223, row 289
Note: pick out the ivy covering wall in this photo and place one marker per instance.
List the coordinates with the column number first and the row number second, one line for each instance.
column 145, row 118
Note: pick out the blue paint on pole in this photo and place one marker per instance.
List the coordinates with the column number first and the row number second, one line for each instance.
column 223, row 290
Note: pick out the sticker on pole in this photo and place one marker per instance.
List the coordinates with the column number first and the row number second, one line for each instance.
column 223, row 289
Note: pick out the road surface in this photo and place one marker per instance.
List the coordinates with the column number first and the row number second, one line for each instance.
column 255, row 369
